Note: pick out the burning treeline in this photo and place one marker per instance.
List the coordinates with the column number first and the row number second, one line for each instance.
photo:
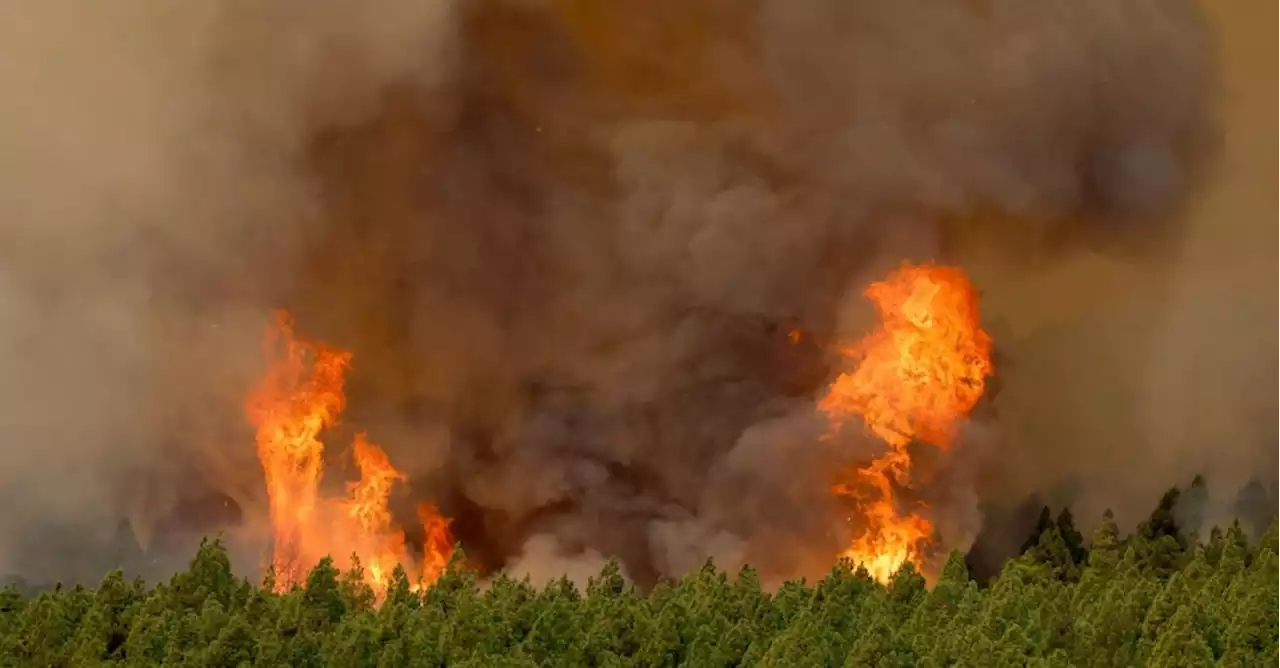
column 563, row 246
column 567, row 272
column 589, row 288
column 915, row 378
column 298, row 399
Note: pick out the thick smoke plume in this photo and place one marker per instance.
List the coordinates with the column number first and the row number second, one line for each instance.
column 1124, row 378
column 566, row 242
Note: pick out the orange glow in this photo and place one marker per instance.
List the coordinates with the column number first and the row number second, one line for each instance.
column 299, row 397
column 915, row 379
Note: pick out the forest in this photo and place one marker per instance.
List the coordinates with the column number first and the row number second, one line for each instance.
column 1157, row 596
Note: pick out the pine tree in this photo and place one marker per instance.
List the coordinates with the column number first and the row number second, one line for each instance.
column 1054, row 553
column 357, row 595
column 1269, row 539
column 1107, row 631
column 1214, row 546
column 610, row 609
column 1250, row 632
column 1236, row 554
column 1163, row 520
column 801, row 644
column 1105, row 550
column 235, row 645
column 557, row 630
column 209, row 575
column 882, row 641
column 837, row 602
column 1071, row 537
column 1190, row 507
column 1172, row 598
column 354, row 641
column 1181, row 645
column 323, row 604
column 939, row 606
column 905, row 591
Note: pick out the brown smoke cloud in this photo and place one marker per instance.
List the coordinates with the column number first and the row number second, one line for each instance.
column 565, row 241
column 1134, row 376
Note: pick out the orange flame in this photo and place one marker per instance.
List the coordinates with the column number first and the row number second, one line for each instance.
column 915, row 379
column 300, row 396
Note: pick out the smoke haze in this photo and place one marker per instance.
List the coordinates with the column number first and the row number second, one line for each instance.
column 566, row 242
column 154, row 200
column 1131, row 377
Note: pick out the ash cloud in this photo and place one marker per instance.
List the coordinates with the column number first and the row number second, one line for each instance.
column 565, row 244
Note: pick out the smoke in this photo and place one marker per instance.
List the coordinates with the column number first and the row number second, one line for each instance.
column 543, row 562
column 154, row 198
column 1138, row 376
column 565, row 242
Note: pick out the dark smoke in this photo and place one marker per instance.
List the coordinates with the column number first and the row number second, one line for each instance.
column 566, row 242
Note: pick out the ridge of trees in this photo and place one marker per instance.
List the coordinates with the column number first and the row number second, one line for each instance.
column 1158, row 597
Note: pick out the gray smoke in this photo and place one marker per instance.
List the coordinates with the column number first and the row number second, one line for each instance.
column 154, row 201
column 565, row 246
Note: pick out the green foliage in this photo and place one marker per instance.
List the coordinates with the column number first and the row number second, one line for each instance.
column 1156, row 598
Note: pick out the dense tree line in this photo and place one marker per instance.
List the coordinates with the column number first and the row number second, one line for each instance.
column 1158, row 597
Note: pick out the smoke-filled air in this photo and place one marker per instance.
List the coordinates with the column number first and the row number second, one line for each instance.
column 559, row 281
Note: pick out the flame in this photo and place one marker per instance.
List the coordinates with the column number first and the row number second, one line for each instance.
column 915, row 379
column 438, row 547
column 299, row 397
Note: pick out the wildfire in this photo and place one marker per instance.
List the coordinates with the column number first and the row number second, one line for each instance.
column 915, row 379
column 300, row 396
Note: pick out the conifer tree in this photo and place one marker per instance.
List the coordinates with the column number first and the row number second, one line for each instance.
column 1071, row 537
column 1268, row 541
column 1163, row 520
column 1181, row 645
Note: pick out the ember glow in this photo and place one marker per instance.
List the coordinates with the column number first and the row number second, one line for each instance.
column 300, row 396
column 915, row 378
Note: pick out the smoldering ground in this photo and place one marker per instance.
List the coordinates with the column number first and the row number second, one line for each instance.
column 565, row 241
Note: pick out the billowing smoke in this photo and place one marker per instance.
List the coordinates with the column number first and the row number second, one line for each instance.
column 156, row 199
column 1123, row 378
column 566, row 242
